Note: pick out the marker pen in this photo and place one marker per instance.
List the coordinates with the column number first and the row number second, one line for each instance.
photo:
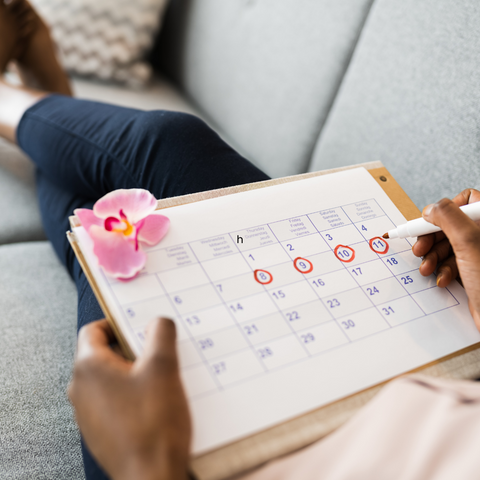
column 419, row 226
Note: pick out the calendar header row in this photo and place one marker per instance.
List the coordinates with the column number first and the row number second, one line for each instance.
column 262, row 235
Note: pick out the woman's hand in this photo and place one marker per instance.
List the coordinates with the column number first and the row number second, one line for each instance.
column 455, row 250
column 133, row 416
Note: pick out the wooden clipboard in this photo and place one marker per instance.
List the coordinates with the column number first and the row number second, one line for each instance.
column 248, row 453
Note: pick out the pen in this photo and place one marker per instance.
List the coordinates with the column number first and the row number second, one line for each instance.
column 419, row 226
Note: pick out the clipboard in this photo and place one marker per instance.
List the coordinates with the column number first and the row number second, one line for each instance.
column 255, row 450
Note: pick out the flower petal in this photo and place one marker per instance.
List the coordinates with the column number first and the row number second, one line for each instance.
column 87, row 218
column 134, row 203
column 154, row 229
column 116, row 255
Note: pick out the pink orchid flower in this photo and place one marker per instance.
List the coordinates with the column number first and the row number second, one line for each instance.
column 119, row 224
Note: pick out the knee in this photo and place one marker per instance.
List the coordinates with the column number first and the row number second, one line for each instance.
column 165, row 145
column 165, row 126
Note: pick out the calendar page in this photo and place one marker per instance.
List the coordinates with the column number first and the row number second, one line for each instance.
column 285, row 299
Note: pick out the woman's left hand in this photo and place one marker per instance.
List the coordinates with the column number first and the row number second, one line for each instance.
column 133, row 416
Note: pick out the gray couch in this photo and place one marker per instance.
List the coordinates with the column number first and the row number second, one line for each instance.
column 296, row 86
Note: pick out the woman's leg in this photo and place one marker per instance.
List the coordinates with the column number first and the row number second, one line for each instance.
column 93, row 148
column 83, row 150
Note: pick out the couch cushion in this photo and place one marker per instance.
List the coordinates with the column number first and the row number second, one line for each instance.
column 411, row 98
column 264, row 72
column 38, row 435
column 159, row 95
column 18, row 201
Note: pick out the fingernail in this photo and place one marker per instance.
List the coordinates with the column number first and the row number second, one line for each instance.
column 427, row 210
column 439, row 277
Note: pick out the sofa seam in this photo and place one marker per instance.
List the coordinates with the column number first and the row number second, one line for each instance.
column 339, row 86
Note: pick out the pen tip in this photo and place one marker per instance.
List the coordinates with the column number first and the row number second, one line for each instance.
column 385, row 235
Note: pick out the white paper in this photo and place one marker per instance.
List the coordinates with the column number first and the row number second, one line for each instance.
column 254, row 354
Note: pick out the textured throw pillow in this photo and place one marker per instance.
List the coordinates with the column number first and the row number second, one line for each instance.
column 104, row 39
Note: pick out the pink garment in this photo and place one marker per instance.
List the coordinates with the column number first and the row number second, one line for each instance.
column 416, row 428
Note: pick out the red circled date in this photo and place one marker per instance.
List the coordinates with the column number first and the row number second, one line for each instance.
column 303, row 265
column 379, row 245
column 344, row 253
column 263, row 277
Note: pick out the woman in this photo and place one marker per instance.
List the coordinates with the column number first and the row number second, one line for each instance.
column 134, row 416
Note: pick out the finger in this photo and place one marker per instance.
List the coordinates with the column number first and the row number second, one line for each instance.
column 437, row 254
column 447, row 272
column 94, row 341
column 94, row 358
column 462, row 231
column 469, row 195
column 117, row 349
column 160, row 347
column 425, row 243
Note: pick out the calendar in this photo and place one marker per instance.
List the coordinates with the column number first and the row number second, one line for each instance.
column 285, row 299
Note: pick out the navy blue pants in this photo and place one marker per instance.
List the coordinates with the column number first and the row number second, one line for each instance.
column 83, row 150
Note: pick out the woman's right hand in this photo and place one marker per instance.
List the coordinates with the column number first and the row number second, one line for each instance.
column 455, row 251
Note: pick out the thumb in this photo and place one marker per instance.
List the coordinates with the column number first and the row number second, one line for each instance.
column 160, row 350
column 462, row 232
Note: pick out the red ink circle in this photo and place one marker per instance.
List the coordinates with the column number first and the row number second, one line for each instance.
column 382, row 252
column 303, row 260
column 348, row 248
column 255, row 275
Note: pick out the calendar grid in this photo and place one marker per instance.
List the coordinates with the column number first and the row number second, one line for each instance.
column 419, row 306
column 204, row 360
column 305, row 359
column 446, row 288
column 388, row 266
column 117, row 302
column 293, row 331
column 345, row 267
column 300, row 281
column 223, row 302
column 316, row 293
column 332, row 320
column 376, row 260
column 259, row 338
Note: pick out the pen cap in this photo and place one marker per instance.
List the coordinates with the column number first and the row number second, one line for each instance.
column 418, row 227
column 402, row 231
